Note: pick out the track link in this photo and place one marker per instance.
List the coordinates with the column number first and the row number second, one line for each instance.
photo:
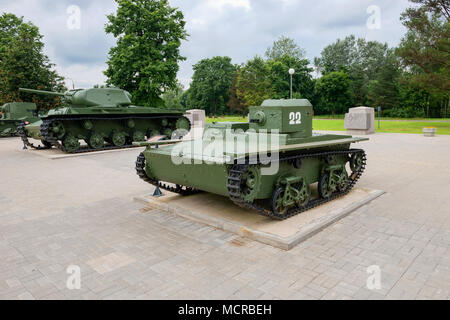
column 237, row 171
column 140, row 170
column 21, row 132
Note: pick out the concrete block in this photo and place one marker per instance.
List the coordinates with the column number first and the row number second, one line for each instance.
column 360, row 120
column 197, row 117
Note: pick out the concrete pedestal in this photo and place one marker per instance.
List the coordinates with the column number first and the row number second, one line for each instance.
column 360, row 121
column 197, row 118
column 219, row 212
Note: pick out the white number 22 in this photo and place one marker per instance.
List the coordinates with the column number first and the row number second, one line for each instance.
column 295, row 118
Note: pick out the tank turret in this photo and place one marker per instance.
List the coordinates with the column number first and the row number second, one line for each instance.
column 105, row 97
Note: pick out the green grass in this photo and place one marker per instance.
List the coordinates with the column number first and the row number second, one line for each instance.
column 227, row 119
column 341, row 116
column 386, row 126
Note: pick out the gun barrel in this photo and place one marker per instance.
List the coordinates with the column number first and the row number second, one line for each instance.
column 50, row 93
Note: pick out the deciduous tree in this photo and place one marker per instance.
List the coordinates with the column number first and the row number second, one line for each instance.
column 23, row 63
column 145, row 59
column 211, row 84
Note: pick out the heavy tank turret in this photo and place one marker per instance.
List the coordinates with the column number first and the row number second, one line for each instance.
column 103, row 118
column 268, row 164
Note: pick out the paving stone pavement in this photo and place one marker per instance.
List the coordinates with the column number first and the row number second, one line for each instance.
column 79, row 211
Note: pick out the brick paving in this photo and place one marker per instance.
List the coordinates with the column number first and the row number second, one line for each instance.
column 79, row 211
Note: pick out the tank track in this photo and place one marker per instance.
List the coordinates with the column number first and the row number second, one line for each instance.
column 48, row 137
column 237, row 171
column 26, row 142
column 235, row 177
column 140, row 170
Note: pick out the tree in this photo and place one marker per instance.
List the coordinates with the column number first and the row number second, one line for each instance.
column 234, row 103
column 173, row 97
column 211, row 83
column 145, row 60
column 425, row 49
column 334, row 92
column 361, row 59
column 384, row 90
column 23, row 64
column 253, row 83
column 302, row 84
column 284, row 46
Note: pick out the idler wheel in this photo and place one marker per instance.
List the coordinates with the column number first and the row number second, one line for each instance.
column 278, row 206
column 58, row 130
column 356, row 162
column 250, row 183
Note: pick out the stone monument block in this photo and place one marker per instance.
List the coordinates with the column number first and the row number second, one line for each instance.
column 197, row 118
column 360, row 120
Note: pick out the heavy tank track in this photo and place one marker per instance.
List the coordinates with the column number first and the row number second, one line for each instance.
column 26, row 142
column 47, row 136
column 140, row 170
column 237, row 171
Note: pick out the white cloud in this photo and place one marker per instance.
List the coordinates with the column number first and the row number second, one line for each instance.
column 239, row 29
column 222, row 4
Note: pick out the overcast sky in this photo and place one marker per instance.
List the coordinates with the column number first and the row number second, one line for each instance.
column 236, row 28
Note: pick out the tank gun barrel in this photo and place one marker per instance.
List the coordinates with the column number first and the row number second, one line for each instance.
column 50, row 93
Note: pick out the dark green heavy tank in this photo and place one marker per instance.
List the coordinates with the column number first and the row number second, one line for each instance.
column 101, row 117
column 269, row 164
column 13, row 114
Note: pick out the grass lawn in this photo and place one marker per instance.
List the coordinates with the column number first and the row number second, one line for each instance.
column 342, row 116
column 386, row 126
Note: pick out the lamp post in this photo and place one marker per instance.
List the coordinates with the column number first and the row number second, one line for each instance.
column 73, row 83
column 291, row 73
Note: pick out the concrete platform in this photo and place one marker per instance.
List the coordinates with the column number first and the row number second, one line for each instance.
column 221, row 213
column 55, row 154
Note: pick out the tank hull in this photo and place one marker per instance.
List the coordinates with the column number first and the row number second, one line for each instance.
column 213, row 177
column 102, row 130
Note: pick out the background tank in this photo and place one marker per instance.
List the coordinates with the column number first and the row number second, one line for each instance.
column 102, row 117
column 13, row 114
column 271, row 174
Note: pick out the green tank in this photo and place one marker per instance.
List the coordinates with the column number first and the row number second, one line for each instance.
column 13, row 114
column 269, row 164
column 103, row 118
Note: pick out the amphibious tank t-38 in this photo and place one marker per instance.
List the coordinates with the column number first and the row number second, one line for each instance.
column 13, row 114
column 268, row 164
column 103, row 117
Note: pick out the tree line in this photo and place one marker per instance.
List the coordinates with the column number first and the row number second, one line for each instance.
column 411, row 80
